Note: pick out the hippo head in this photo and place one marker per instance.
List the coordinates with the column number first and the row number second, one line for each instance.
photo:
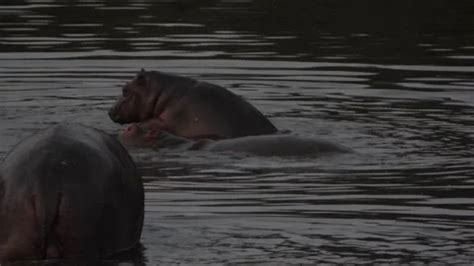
column 137, row 101
column 147, row 135
column 139, row 136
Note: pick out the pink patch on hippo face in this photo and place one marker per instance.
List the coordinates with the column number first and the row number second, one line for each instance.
column 131, row 130
column 141, row 135
column 151, row 134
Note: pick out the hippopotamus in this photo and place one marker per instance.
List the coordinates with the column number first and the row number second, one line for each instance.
column 69, row 192
column 188, row 108
column 149, row 135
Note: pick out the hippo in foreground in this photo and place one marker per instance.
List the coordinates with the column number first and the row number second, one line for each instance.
column 148, row 135
column 69, row 192
column 188, row 108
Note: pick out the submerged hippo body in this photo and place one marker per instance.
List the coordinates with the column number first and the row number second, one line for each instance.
column 145, row 135
column 188, row 108
column 278, row 145
column 69, row 192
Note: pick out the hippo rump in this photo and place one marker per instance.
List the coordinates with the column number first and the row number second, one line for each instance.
column 147, row 135
column 69, row 192
column 188, row 108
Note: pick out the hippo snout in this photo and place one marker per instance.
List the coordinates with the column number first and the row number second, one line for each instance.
column 115, row 115
column 118, row 119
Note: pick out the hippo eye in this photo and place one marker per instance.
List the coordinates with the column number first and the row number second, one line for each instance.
column 125, row 92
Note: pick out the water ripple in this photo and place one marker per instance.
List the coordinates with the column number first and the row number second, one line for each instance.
column 402, row 103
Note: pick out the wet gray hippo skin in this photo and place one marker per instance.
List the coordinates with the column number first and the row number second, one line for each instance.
column 278, row 145
column 188, row 108
column 69, row 192
column 145, row 135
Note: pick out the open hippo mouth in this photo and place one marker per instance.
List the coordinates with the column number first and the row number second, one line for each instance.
column 147, row 135
column 142, row 131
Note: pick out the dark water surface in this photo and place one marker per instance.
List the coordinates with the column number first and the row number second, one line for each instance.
column 393, row 80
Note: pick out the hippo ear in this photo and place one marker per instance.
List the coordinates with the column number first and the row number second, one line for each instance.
column 141, row 79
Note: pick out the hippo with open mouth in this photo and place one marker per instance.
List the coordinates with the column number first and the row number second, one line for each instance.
column 188, row 108
column 149, row 135
column 69, row 192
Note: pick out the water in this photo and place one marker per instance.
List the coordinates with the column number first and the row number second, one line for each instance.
column 393, row 81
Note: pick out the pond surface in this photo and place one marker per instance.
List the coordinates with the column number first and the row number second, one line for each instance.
column 394, row 81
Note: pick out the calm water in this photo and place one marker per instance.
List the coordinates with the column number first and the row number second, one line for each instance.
column 392, row 80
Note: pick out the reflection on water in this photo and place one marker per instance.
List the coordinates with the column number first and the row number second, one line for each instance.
column 392, row 81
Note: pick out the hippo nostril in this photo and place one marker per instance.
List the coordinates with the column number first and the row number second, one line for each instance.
column 115, row 117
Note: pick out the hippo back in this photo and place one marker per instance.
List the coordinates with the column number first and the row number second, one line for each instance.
column 76, row 191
